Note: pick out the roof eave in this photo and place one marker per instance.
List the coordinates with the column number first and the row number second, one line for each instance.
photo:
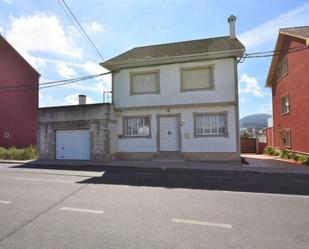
column 273, row 63
column 174, row 59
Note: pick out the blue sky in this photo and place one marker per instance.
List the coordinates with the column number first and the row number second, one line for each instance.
column 47, row 38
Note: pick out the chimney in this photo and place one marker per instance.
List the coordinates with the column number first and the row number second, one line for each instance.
column 231, row 20
column 82, row 99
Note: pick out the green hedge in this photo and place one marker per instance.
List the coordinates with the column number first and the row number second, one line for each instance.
column 18, row 154
column 287, row 155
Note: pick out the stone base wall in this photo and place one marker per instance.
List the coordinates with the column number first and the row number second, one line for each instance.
column 190, row 156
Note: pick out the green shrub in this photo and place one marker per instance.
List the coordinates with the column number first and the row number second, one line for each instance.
column 13, row 153
column 268, row 150
column 306, row 160
column 295, row 156
column 284, row 154
column 276, row 152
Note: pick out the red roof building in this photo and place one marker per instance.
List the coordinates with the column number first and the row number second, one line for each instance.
column 288, row 78
column 18, row 98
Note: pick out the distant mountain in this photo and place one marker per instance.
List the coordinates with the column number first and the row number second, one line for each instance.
column 257, row 121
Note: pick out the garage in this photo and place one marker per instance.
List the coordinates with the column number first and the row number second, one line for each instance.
column 73, row 144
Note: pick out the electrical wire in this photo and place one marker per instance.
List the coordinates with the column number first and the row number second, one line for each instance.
column 50, row 84
column 84, row 34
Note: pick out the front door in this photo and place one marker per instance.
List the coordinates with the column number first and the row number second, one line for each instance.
column 169, row 133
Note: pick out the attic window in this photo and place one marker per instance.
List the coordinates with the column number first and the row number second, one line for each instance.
column 282, row 68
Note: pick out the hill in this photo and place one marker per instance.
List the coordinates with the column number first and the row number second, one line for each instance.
column 257, row 121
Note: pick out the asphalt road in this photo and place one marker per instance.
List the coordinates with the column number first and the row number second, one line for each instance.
column 139, row 208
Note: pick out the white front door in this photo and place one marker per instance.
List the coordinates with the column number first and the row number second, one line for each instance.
column 73, row 144
column 169, row 134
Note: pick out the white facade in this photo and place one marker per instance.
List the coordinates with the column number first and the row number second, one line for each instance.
column 171, row 101
column 170, row 87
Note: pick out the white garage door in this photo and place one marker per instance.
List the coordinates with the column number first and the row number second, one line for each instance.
column 73, row 144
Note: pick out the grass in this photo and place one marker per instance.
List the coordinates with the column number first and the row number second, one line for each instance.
column 13, row 153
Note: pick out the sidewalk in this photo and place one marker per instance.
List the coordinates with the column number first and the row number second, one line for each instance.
column 257, row 163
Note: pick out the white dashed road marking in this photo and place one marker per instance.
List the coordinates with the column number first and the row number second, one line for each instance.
column 41, row 180
column 82, row 210
column 4, row 202
column 203, row 223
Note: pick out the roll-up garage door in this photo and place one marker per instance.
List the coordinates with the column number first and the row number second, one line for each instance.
column 73, row 144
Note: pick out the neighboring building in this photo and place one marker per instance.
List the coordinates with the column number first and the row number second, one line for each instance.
column 288, row 78
column 18, row 98
column 79, row 132
column 180, row 98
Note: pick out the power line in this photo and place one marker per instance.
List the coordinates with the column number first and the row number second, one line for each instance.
column 50, row 84
column 84, row 34
column 272, row 53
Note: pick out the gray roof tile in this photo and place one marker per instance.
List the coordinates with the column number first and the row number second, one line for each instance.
column 161, row 51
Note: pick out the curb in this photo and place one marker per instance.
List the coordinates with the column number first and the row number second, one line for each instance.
column 241, row 169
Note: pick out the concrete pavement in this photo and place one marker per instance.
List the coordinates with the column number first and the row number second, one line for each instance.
column 152, row 208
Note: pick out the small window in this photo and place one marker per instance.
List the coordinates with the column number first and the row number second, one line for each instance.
column 144, row 83
column 210, row 124
column 199, row 78
column 285, row 104
column 288, row 138
column 282, row 68
column 136, row 126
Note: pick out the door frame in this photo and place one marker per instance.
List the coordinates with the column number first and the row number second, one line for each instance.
column 178, row 116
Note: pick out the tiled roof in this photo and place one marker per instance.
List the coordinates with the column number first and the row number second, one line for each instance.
column 302, row 32
column 176, row 49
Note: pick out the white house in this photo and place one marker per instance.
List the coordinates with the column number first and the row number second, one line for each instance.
column 178, row 99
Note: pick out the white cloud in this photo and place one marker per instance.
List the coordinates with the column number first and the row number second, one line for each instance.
column 65, row 71
column 73, row 100
column 42, row 33
column 268, row 32
column 8, row 1
column 46, row 100
column 94, row 27
column 251, row 86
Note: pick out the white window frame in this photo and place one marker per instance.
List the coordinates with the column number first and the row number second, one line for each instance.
column 133, row 121
column 132, row 74
column 213, row 126
column 284, row 104
column 282, row 67
column 212, row 80
column 287, row 133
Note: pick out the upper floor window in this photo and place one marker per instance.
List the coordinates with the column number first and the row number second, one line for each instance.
column 197, row 78
column 210, row 124
column 136, row 126
column 282, row 68
column 145, row 82
column 285, row 104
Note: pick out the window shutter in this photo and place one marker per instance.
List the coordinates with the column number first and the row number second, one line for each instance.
column 144, row 83
column 200, row 78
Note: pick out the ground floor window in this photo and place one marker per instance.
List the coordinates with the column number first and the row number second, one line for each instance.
column 207, row 124
column 136, row 126
column 285, row 138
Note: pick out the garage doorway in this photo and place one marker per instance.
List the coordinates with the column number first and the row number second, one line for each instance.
column 73, row 144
